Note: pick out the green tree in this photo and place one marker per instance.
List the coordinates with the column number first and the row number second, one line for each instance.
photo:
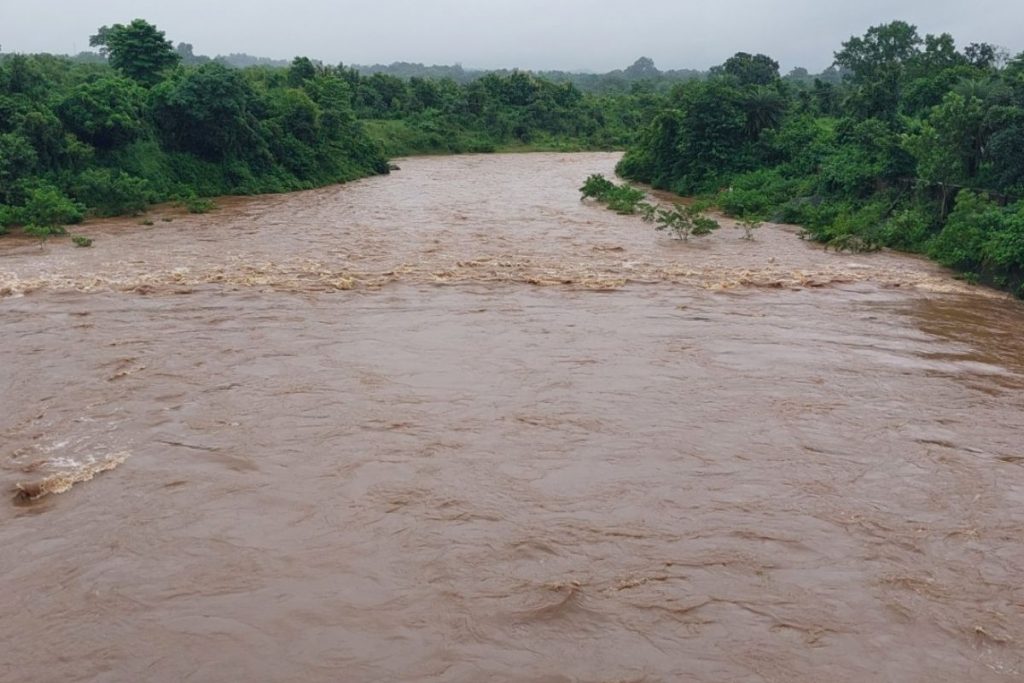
column 764, row 108
column 876, row 63
column 301, row 70
column 208, row 111
column 751, row 69
column 18, row 161
column 137, row 50
column 950, row 145
column 106, row 113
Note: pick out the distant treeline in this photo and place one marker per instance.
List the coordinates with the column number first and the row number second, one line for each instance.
column 917, row 146
column 641, row 74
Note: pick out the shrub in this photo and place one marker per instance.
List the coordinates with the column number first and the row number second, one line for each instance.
column 48, row 207
column 738, row 202
column 961, row 241
column 81, row 241
column 6, row 218
column 756, row 192
column 622, row 199
column 855, row 244
column 113, row 194
column 684, row 221
column 908, row 229
column 198, row 204
column 748, row 225
column 43, row 232
column 596, row 187
column 1004, row 250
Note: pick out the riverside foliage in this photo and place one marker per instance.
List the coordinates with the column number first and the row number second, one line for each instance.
column 144, row 122
column 681, row 221
column 111, row 138
column 919, row 146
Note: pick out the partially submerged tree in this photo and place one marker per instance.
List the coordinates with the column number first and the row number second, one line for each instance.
column 684, row 221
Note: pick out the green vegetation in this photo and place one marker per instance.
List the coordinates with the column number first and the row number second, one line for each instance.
column 81, row 241
column 641, row 76
column 111, row 138
column 195, row 204
column 623, row 199
column 681, row 221
column 515, row 111
column 143, row 122
column 749, row 226
column 907, row 142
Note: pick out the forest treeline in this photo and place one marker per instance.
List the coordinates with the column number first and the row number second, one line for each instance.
column 140, row 125
column 919, row 147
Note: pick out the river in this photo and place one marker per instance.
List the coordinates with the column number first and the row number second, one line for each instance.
column 455, row 425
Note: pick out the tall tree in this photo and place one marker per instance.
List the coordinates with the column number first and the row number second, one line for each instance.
column 876, row 63
column 751, row 69
column 137, row 50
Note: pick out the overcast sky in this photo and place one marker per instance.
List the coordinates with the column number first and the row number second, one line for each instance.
column 586, row 35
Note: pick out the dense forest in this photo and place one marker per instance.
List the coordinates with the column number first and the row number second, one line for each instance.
column 919, row 146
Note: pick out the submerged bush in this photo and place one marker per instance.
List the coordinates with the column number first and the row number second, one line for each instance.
column 623, row 199
column 198, row 204
column 682, row 221
column 748, row 225
column 43, row 232
column 596, row 187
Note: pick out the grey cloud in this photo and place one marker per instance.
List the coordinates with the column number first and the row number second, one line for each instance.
column 591, row 35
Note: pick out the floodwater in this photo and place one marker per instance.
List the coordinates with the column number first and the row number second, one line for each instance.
column 455, row 425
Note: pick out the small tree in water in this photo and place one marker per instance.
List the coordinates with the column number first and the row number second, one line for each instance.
column 748, row 225
column 623, row 199
column 596, row 187
column 684, row 221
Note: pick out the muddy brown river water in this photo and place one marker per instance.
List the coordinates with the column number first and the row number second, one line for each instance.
column 454, row 425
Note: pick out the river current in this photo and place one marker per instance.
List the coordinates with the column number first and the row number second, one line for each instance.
column 454, row 425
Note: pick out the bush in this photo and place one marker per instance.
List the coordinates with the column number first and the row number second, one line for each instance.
column 44, row 231
column 596, row 187
column 112, row 194
column 682, row 221
column 798, row 210
column 908, row 229
column 749, row 226
column 960, row 243
column 49, row 207
column 1003, row 251
column 198, row 204
column 757, row 193
column 622, row 199
column 81, row 241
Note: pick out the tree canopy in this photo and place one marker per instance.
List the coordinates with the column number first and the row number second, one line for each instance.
column 137, row 50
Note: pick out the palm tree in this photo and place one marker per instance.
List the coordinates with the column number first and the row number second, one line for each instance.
column 764, row 107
